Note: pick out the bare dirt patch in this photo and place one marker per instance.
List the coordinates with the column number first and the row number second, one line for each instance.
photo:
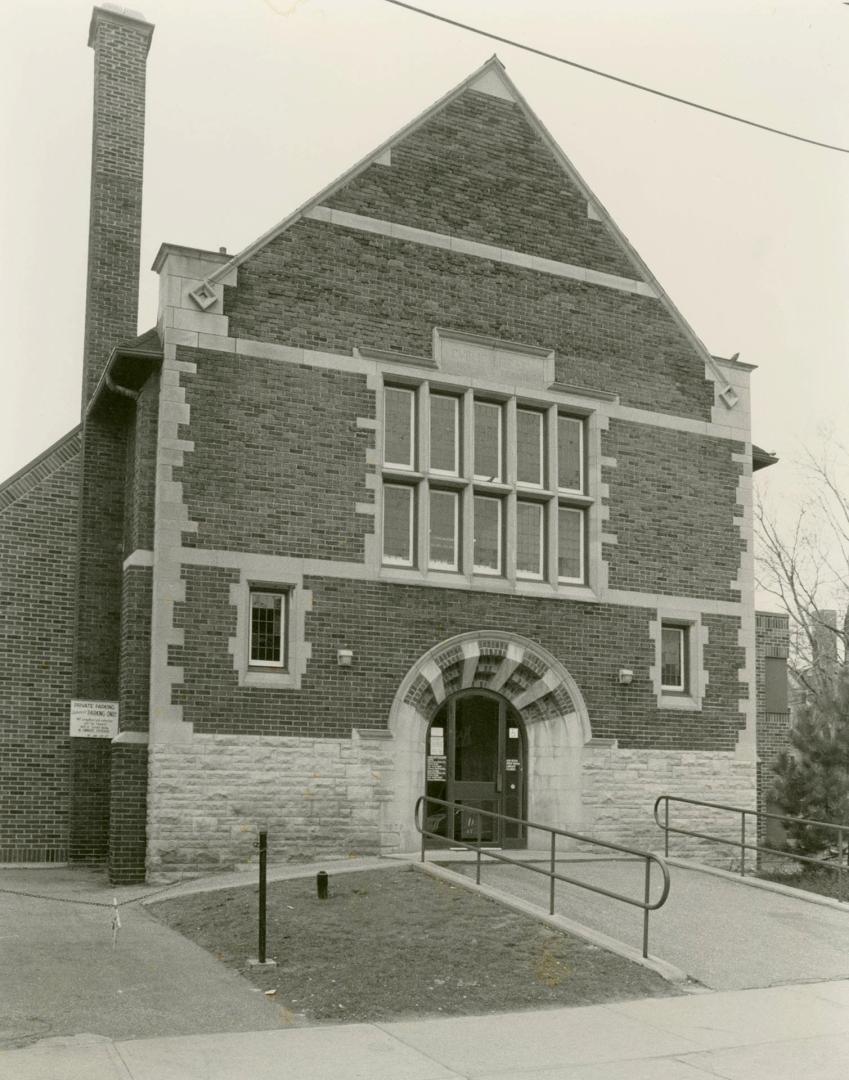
column 395, row 943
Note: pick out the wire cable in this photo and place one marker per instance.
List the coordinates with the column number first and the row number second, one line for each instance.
column 616, row 78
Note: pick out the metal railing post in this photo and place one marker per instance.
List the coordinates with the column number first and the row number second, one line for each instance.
column 478, row 872
column 646, row 898
column 551, row 879
column 423, row 804
column 666, row 829
column 742, row 843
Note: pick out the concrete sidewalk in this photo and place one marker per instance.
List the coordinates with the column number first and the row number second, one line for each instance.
column 782, row 1033
column 59, row 974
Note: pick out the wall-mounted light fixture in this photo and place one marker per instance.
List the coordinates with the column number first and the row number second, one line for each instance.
column 626, row 676
column 344, row 657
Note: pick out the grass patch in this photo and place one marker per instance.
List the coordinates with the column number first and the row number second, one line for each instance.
column 816, row 879
column 395, row 943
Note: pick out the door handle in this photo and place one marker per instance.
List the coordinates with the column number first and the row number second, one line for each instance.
column 499, row 783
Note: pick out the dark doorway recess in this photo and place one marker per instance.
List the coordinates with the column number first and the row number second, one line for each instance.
column 476, row 752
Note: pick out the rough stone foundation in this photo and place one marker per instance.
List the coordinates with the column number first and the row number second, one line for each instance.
column 316, row 797
column 620, row 787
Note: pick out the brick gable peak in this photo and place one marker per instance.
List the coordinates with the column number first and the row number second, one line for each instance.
column 491, row 78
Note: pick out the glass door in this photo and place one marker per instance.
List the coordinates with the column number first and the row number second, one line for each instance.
column 475, row 757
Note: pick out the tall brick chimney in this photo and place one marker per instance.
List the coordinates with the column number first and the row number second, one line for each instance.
column 121, row 40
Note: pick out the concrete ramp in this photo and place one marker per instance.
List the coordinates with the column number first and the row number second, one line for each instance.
column 726, row 934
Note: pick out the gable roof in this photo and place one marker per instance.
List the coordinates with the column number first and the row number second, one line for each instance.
column 491, row 78
column 41, row 466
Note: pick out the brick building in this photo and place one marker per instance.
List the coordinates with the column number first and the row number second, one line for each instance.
column 429, row 488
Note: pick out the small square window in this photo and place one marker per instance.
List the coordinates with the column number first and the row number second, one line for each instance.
column 674, row 659
column 267, row 647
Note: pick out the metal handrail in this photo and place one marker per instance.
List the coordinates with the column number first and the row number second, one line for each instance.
column 841, row 868
column 645, row 904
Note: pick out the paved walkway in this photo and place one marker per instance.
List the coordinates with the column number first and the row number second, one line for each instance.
column 59, row 974
column 160, row 1008
column 725, row 934
column 782, row 1033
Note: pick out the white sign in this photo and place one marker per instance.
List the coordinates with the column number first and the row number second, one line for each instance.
column 94, row 719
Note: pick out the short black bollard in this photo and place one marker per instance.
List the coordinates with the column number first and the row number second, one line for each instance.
column 261, row 961
column 263, row 855
column 321, row 884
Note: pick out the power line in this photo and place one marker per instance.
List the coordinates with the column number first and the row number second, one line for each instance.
column 615, row 78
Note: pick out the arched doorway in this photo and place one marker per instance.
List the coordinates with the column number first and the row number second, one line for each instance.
column 536, row 686
column 476, row 750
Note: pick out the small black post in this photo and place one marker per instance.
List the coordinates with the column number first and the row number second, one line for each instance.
column 321, row 884
column 263, row 855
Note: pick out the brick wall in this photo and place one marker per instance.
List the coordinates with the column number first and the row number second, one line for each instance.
column 140, row 483
column 128, row 765
column 673, row 506
column 98, row 629
column 318, row 286
column 120, row 47
column 477, row 169
column 389, row 626
column 773, row 729
column 38, row 525
column 269, row 438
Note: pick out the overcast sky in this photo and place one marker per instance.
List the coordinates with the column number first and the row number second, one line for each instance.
column 254, row 105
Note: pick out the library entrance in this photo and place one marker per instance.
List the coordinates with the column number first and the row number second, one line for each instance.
column 476, row 757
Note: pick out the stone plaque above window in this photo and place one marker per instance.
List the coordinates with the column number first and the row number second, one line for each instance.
column 480, row 358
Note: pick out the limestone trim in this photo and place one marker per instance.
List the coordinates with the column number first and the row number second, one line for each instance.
column 171, row 520
column 363, row 571
column 697, row 675
column 745, row 583
column 460, row 246
column 298, row 603
column 139, row 557
column 131, row 738
column 539, row 687
column 373, row 363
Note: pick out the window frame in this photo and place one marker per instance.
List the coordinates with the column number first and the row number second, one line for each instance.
column 582, row 537
column 409, row 466
column 499, row 407
column 582, row 471
column 531, row 485
column 683, row 657
column 281, row 664
column 450, row 568
column 458, row 433
column 532, row 575
column 506, row 488
column 392, row 560
column 480, row 568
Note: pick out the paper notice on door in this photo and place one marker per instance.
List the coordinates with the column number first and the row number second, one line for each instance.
column 437, row 767
column 513, row 733
column 512, row 764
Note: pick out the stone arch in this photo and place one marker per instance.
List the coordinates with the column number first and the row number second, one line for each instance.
column 535, row 683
